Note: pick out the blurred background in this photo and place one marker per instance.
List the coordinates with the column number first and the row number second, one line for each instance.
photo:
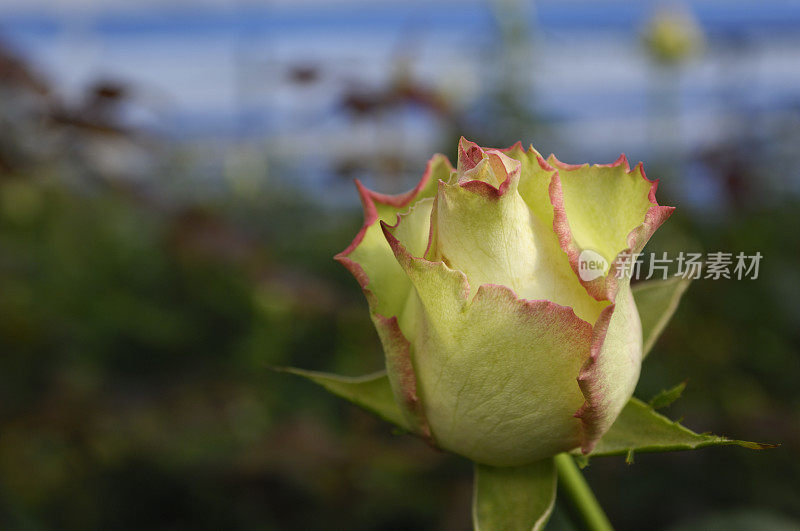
column 175, row 177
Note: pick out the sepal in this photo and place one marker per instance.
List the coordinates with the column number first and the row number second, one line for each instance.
column 657, row 301
column 639, row 428
column 372, row 392
column 519, row 497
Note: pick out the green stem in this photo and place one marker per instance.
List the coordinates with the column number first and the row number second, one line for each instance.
column 581, row 495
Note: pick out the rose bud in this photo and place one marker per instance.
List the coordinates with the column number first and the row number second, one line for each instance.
column 497, row 347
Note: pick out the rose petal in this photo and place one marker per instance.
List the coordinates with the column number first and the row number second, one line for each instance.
column 495, row 374
column 370, row 259
column 608, row 378
column 612, row 210
column 606, row 208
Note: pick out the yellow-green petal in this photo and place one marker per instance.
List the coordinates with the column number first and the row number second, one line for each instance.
column 496, row 374
column 385, row 286
column 369, row 257
column 608, row 209
column 609, row 376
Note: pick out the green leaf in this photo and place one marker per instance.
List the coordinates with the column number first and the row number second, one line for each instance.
column 656, row 301
column 667, row 396
column 640, row 429
column 513, row 497
column 372, row 392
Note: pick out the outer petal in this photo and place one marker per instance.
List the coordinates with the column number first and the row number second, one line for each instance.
column 497, row 377
column 401, row 372
column 370, row 259
column 609, row 376
column 611, row 210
